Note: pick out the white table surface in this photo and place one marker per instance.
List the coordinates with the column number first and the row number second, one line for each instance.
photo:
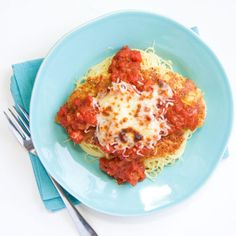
column 27, row 30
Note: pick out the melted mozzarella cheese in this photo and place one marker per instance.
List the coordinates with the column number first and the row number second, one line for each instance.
column 128, row 117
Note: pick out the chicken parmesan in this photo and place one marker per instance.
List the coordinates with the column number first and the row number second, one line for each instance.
column 134, row 113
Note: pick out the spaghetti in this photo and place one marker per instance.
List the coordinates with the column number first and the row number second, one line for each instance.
column 134, row 113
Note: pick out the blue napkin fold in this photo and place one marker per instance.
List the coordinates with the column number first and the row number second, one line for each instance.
column 22, row 82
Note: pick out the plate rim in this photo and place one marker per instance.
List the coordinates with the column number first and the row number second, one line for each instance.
column 210, row 52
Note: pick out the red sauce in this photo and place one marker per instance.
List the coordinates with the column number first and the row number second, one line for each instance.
column 77, row 118
column 124, row 170
column 126, row 66
column 182, row 116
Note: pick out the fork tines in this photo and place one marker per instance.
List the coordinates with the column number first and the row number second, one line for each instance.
column 24, row 112
column 19, row 122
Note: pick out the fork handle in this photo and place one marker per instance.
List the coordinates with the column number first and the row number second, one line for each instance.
column 82, row 225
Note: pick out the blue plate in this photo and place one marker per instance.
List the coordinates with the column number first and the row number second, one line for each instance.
column 87, row 45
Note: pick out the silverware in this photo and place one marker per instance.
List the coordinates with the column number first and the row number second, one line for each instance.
column 18, row 120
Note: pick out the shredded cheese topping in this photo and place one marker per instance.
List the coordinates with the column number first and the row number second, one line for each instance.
column 128, row 117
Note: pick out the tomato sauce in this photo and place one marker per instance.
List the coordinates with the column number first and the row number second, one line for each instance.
column 77, row 118
column 124, row 170
column 126, row 66
column 182, row 116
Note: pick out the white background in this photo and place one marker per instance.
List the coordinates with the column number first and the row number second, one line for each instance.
column 27, row 30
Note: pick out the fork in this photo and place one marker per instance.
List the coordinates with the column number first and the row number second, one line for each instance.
column 18, row 120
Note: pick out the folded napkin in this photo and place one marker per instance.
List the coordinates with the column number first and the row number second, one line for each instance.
column 22, row 82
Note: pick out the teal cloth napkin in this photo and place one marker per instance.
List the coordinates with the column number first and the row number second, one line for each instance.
column 22, row 82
